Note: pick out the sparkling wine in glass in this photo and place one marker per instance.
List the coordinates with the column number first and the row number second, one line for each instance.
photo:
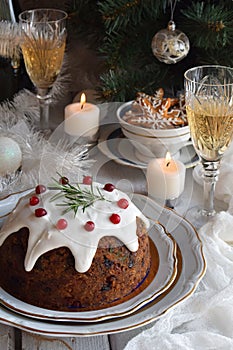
column 209, row 105
column 43, row 46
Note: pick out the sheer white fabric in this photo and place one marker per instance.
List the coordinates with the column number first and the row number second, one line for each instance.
column 205, row 320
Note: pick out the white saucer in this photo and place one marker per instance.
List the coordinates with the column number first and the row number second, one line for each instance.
column 115, row 146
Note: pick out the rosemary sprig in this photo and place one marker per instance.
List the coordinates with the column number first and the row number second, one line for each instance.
column 76, row 197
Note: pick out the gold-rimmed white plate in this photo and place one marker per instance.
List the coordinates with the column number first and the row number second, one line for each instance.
column 191, row 269
column 163, row 251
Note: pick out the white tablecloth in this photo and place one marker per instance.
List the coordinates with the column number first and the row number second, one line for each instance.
column 205, row 320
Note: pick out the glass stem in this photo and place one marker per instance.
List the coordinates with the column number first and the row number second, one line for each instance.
column 210, row 177
column 44, row 101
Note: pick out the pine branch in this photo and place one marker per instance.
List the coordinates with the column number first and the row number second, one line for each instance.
column 85, row 20
column 75, row 196
column 121, row 14
column 218, row 57
column 208, row 25
column 122, row 85
column 131, row 47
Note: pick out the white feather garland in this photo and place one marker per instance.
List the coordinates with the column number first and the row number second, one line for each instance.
column 41, row 158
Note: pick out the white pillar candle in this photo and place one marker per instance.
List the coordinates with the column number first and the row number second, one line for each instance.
column 165, row 178
column 82, row 119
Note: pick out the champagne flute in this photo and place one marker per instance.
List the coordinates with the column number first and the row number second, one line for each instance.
column 209, row 105
column 43, row 46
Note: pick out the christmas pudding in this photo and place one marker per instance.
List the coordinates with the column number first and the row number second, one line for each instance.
column 74, row 247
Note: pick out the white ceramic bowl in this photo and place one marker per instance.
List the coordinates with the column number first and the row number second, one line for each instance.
column 153, row 142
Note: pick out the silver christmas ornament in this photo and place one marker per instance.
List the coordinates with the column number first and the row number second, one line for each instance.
column 170, row 45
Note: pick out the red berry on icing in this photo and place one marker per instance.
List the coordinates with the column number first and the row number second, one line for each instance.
column 89, row 226
column 87, row 180
column 40, row 189
column 40, row 212
column 115, row 218
column 64, row 180
column 123, row 203
column 61, row 224
column 34, row 200
column 109, row 187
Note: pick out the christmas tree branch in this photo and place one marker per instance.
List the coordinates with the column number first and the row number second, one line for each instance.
column 122, row 14
column 208, row 25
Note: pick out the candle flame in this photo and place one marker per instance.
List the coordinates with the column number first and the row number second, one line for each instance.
column 82, row 100
column 168, row 158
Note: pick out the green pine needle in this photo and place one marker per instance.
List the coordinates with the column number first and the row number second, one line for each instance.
column 75, row 197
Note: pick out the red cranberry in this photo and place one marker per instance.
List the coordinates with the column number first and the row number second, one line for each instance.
column 89, row 226
column 34, row 200
column 87, row 180
column 123, row 203
column 40, row 189
column 109, row 187
column 115, row 219
column 61, row 224
column 64, row 180
column 40, row 212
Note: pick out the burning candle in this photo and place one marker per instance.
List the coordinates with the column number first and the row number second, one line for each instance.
column 82, row 119
column 165, row 178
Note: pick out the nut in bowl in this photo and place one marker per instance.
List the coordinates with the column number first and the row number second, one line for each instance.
column 155, row 125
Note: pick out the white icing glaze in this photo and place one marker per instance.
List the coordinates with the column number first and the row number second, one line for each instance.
column 44, row 235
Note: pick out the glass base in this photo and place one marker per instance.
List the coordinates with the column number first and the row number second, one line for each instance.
column 198, row 217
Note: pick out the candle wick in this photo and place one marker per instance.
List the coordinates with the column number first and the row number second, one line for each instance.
column 82, row 106
column 168, row 163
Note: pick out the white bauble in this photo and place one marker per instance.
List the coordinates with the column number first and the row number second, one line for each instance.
column 10, row 156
